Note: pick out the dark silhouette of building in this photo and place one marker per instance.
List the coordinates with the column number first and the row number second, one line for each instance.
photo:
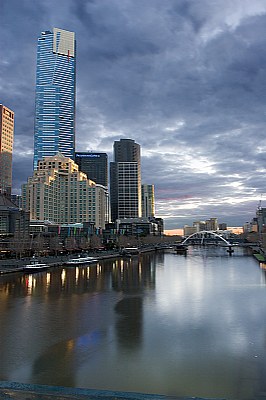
column 94, row 165
column 12, row 219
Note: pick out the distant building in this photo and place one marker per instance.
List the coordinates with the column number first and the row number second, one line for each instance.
column 261, row 219
column 94, row 165
column 139, row 227
column 6, row 149
column 125, row 180
column 199, row 225
column 147, row 201
column 211, row 224
column 12, row 219
column 60, row 193
column 247, row 227
column 189, row 230
column 54, row 128
column 222, row 227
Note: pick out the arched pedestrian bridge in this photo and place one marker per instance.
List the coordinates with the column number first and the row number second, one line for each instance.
column 207, row 237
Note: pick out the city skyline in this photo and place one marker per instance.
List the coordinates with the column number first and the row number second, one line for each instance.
column 185, row 81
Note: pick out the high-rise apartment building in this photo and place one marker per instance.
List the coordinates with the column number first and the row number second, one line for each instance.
column 59, row 192
column 147, row 201
column 94, row 165
column 125, row 180
column 6, row 149
column 54, row 128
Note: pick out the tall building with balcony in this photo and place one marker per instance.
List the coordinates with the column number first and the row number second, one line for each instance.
column 6, row 149
column 59, row 192
column 147, row 201
column 125, row 180
column 54, row 127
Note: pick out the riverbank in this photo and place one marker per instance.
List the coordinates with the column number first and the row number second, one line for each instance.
column 12, row 265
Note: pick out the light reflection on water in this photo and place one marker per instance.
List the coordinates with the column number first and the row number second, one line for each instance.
column 161, row 323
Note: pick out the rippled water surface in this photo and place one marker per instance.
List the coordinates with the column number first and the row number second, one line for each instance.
column 162, row 323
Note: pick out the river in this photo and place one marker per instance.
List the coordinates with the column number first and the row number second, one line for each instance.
column 162, row 323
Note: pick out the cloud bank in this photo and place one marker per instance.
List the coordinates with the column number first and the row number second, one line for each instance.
column 184, row 79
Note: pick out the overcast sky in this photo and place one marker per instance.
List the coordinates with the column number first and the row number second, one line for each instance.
column 186, row 79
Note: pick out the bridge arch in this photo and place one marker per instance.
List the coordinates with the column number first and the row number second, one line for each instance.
column 202, row 235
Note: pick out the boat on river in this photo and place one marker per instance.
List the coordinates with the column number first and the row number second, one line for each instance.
column 129, row 251
column 180, row 248
column 81, row 261
column 35, row 266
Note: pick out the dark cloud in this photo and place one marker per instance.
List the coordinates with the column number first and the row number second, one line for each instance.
column 186, row 80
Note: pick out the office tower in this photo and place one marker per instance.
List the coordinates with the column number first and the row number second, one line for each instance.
column 6, row 149
column 94, row 165
column 59, row 192
column 126, row 150
column 54, row 128
column 147, row 201
column 125, row 180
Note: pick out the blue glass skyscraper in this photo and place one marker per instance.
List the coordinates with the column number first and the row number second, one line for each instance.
column 54, row 128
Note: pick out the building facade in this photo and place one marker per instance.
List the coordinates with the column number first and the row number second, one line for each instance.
column 54, row 128
column 125, row 180
column 147, row 201
column 94, row 165
column 139, row 227
column 59, row 192
column 6, row 149
column 13, row 220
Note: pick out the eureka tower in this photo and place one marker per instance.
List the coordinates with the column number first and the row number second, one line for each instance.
column 54, row 127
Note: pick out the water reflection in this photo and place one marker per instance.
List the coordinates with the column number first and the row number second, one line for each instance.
column 161, row 323
column 126, row 275
column 129, row 323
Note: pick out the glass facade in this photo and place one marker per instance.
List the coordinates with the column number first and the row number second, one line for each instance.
column 147, row 201
column 94, row 165
column 54, row 128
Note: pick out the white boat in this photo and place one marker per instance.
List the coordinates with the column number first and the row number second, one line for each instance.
column 35, row 266
column 81, row 261
column 129, row 251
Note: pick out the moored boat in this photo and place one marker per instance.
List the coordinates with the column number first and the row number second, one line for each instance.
column 180, row 248
column 81, row 261
column 129, row 251
column 35, row 266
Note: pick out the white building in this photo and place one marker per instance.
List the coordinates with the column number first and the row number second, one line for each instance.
column 59, row 192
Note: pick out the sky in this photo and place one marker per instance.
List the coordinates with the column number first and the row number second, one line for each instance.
column 186, row 79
